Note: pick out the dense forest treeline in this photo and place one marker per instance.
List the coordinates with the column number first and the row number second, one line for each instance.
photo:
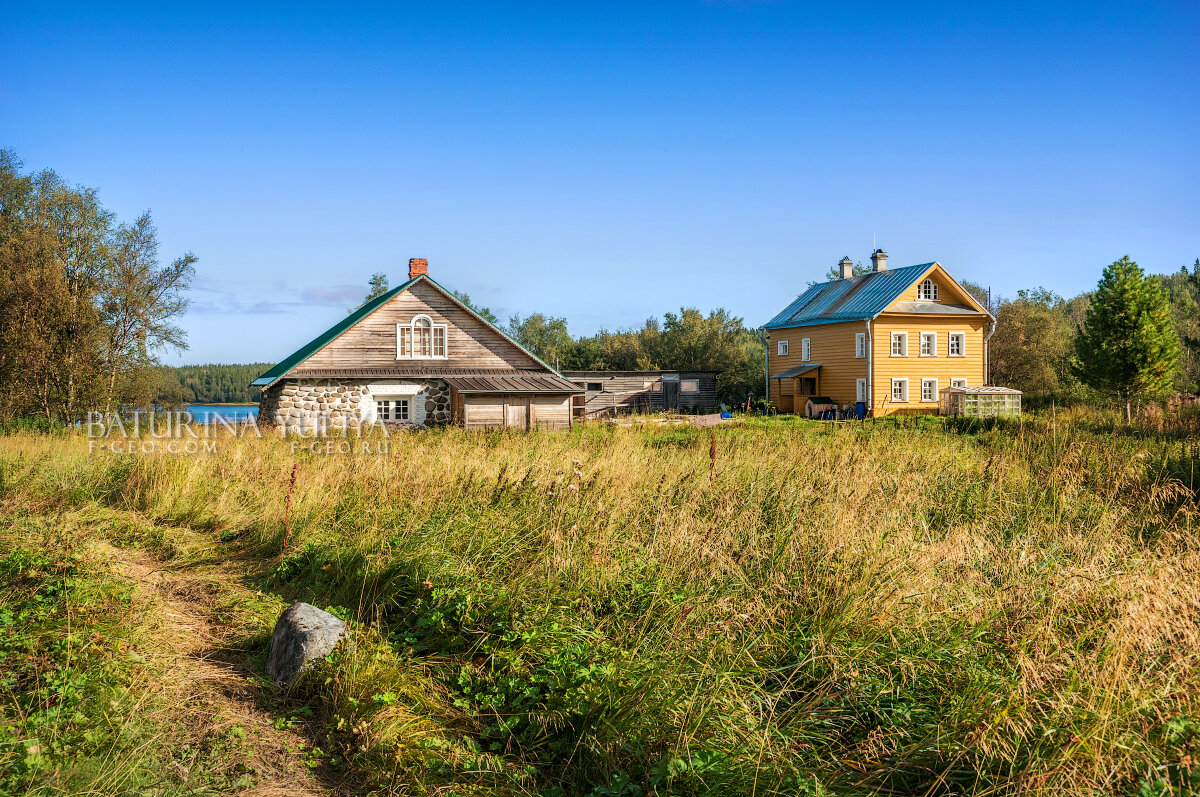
column 214, row 383
column 1034, row 346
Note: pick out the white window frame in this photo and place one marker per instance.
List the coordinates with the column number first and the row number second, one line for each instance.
column 927, row 291
column 406, row 340
column 933, row 347
column 805, row 350
column 958, row 383
column 901, row 382
column 860, row 390
column 901, row 337
column 962, row 344
column 393, row 408
column 781, row 348
column 925, row 383
column 860, row 345
column 683, row 385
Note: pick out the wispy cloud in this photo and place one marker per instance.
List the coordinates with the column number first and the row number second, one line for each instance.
column 265, row 306
column 225, row 297
column 333, row 294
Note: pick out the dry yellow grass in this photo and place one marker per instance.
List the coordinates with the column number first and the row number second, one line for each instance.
column 894, row 606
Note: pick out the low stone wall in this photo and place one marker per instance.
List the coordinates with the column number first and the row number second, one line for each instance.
column 338, row 403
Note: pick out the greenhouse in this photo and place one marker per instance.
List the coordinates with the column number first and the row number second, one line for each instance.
column 988, row 401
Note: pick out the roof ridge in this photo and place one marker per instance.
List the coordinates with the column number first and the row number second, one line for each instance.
column 320, row 341
column 280, row 369
column 863, row 296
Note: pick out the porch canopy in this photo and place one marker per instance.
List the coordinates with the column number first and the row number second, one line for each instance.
column 807, row 371
column 799, row 370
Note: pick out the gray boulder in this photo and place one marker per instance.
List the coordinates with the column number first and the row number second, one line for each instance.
column 302, row 635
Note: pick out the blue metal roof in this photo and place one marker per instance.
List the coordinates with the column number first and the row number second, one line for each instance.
column 853, row 299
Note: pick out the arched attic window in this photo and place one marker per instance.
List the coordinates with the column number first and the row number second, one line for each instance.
column 421, row 339
column 927, row 291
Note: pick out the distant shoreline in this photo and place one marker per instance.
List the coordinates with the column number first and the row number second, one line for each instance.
column 222, row 404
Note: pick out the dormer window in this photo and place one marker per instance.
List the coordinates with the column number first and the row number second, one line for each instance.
column 421, row 339
column 927, row 291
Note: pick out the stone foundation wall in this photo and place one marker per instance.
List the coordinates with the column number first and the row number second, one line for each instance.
column 437, row 403
column 307, row 403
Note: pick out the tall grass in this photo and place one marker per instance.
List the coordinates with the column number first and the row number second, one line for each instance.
column 774, row 608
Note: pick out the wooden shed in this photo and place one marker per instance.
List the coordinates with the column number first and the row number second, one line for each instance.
column 535, row 401
column 612, row 393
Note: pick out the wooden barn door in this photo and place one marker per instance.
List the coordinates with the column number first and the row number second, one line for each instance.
column 516, row 412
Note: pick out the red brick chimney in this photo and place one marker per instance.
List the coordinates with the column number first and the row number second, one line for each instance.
column 417, row 266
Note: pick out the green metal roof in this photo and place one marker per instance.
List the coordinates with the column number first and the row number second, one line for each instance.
column 328, row 336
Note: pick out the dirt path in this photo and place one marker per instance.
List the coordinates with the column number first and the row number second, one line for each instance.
column 216, row 683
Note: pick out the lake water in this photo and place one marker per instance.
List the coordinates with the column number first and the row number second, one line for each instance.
column 230, row 412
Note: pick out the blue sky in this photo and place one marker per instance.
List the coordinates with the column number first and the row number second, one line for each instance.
column 611, row 161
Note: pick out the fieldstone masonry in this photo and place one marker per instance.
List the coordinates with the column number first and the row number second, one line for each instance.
column 305, row 404
column 437, row 403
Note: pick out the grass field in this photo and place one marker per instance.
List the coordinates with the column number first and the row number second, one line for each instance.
column 774, row 607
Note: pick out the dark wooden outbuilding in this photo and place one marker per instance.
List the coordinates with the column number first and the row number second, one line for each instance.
column 611, row 393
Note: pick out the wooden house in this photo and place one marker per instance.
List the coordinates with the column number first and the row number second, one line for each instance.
column 611, row 393
column 415, row 356
column 891, row 339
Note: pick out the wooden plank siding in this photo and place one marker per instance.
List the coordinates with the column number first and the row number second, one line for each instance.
column 483, row 411
column 550, row 411
column 513, row 410
column 626, row 392
column 948, row 292
column 470, row 344
column 915, row 367
column 832, row 345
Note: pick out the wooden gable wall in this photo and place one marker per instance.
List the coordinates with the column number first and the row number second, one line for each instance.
column 470, row 343
column 948, row 290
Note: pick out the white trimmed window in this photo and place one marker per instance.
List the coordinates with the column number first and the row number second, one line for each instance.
column 958, row 344
column 928, row 344
column 781, row 348
column 421, row 339
column 900, row 391
column 860, row 390
column 927, row 291
column 805, row 350
column 860, row 344
column 929, row 390
column 689, row 386
column 958, row 383
column 391, row 410
column 899, row 344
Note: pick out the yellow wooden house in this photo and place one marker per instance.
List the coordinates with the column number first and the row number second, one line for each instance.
column 892, row 339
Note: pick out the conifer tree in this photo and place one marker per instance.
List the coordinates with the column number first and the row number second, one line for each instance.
column 1129, row 346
